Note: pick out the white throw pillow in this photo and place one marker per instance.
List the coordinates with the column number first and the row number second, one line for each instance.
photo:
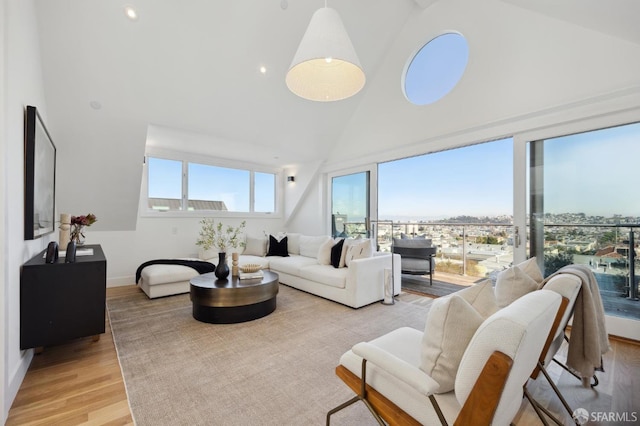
column 208, row 255
column 451, row 323
column 481, row 297
column 348, row 242
column 255, row 246
column 310, row 246
column 294, row 243
column 512, row 284
column 324, row 253
column 531, row 268
column 359, row 250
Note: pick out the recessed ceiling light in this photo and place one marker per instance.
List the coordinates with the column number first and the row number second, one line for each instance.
column 263, row 69
column 131, row 13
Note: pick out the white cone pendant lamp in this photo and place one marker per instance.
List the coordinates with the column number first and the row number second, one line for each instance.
column 325, row 67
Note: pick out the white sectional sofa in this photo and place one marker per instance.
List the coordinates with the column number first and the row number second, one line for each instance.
column 358, row 284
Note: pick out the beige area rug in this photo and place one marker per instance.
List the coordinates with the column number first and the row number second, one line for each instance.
column 276, row 370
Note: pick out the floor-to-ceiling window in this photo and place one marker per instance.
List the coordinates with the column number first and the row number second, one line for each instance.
column 350, row 205
column 584, row 208
column 461, row 199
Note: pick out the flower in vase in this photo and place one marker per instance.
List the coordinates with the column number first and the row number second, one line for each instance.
column 77, row 226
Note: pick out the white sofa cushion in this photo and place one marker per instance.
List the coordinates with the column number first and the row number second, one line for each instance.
column 451, row 323
column 348, row 242
column 294, row 242
column 309, row 246
column 162, row 274
column 531, row 268
column 210, row 255
column 481, row 297
column 403, row 343
column 325, row 274
column 292, row 264
column 255, row 246
column 512, row 284
column 360, row 250
column 247, row 259
column 324, row 253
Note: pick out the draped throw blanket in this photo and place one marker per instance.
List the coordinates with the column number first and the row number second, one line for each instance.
column 199, row 265
column 589, row 339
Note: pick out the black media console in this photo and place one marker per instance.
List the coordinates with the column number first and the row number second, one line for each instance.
column 62, row 301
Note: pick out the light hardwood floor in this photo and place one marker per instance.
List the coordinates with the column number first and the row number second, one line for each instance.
column 77, row 383
column 80, row 383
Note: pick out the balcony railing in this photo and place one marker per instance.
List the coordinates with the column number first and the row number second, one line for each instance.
column 620, row 260
column 484, row 249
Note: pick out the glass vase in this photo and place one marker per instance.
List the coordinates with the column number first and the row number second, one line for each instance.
column 77, row 235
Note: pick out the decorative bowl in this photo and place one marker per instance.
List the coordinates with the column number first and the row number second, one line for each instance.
column 250, row 267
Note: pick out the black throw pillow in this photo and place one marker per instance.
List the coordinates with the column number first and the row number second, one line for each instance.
column 336, row 253
column 278, row 248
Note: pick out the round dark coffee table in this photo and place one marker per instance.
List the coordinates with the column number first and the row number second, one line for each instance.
column 233, row 300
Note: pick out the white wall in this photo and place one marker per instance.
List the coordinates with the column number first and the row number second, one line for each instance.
column 161, row 238
column 303, row 200
column 3, row 178
column 22, row 67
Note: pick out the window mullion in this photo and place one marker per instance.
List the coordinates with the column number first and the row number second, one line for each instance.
column 252, row 181
column 185, row 186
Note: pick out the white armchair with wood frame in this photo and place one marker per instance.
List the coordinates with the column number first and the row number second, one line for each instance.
column 489, row 381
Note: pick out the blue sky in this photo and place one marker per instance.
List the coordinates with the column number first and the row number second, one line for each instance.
column 211, row 183
column 476, row 180
column 436, row 68
column 595, row 173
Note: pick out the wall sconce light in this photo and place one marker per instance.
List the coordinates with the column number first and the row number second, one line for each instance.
column 291, row 178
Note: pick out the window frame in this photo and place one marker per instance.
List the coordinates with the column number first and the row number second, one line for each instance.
column 372, row 169
column 187, row 158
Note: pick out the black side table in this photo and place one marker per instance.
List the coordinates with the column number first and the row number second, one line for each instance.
column 62, row 301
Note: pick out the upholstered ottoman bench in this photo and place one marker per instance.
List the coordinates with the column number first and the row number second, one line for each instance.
column 165, row 279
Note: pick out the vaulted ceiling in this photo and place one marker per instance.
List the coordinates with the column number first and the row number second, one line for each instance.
column 185, row 76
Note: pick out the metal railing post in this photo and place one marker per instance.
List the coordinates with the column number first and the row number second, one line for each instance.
column 633, row 287
column 464, row 250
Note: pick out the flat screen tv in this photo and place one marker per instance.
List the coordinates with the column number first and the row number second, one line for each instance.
column 39, row 176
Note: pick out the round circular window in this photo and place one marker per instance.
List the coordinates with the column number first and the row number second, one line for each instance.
column 436, row 69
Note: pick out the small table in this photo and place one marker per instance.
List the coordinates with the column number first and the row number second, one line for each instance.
column 233, row 300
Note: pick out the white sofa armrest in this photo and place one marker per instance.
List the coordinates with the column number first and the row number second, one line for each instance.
column 365, row 278
column 397, row 367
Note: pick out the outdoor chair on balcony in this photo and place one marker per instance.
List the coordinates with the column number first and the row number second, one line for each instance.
column 417, row 256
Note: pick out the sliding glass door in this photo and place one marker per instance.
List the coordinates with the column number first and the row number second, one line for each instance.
column 350, row 212
column 584, row 208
